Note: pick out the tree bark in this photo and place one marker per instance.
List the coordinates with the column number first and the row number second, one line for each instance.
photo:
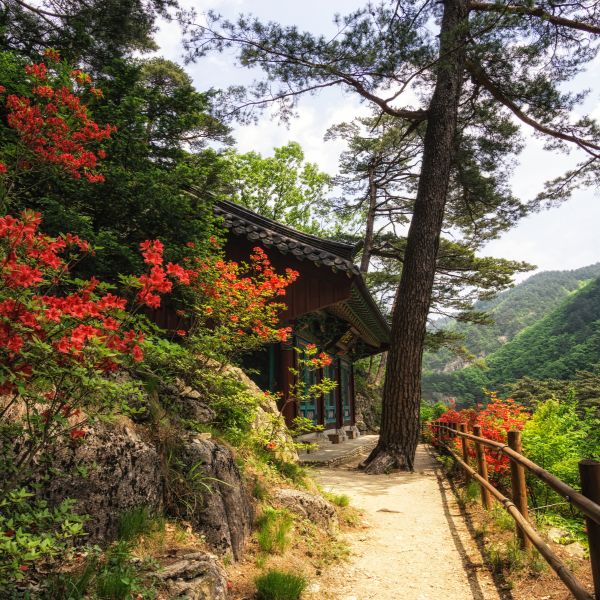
column 402, row 387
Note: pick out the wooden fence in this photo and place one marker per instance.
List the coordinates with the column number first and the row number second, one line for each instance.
column 587, row 501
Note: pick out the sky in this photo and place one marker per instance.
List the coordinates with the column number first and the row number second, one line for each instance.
column 566, row 237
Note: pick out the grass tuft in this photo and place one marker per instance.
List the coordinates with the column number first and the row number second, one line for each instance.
column 117, row 579
column 138, row 521
column 501, row 518
column 280, row 585
column 340, row 500
column 273, row 531
column 260, row 491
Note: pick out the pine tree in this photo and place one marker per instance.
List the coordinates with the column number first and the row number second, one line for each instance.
column 490, row 69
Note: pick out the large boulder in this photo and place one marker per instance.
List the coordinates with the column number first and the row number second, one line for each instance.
column 195, row 576
column 110, row 472
column 226, row 511
column 310, row 506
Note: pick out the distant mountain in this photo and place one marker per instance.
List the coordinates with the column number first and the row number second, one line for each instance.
column 512, row 311
column 554, row 347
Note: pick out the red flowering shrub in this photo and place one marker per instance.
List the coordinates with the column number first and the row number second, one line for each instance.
column 496, row 419
column 58, row 341
column 231, row 307
column 51, row 122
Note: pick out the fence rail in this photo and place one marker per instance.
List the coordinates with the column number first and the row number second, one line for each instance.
column 587, row 501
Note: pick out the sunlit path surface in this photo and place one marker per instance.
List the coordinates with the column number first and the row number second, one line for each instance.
column 417, row 545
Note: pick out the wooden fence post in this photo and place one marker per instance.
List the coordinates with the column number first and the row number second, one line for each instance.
column 453, row 432
column 589, row 472
column 519, row 486
column 482, row 468
column 463, row 442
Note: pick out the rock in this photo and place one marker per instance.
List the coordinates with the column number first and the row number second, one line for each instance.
column 310, row 506
column 196, row 576
column 575, row 550
column 556, row 534
column 110, row 472
column 226, row 511
column 338, row 437
column 366, row 415
column 188, row 402
column 314, row 588
column 268, row 418
column 353, row 433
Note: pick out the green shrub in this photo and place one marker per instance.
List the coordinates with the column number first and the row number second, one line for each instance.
column 117, row 579
column 279, row 585
column 557, row 437
column 32, row 531
column 273, row 530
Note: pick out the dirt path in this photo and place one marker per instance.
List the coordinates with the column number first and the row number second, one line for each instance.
column 416, row 545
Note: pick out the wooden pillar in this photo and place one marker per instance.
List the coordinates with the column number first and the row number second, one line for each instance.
column 320, row 401
column 482, row 469
column 290, row 409
column 339, row 413
column 589, row 472
column 352, row 396
column 463, row 442
column 519, row 486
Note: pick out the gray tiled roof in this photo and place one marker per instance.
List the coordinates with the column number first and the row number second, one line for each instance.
column 322, row 252
column 359, row 308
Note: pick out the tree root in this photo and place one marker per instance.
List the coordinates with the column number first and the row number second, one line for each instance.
column 384, row 460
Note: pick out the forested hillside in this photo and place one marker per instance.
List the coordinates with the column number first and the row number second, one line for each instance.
column 511, row 312
column 556, row 347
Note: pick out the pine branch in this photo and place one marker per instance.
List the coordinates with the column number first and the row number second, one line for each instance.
column 478, row 73
column 536, row 11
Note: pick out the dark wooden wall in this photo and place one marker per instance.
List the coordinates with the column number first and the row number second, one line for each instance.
column 315, row 288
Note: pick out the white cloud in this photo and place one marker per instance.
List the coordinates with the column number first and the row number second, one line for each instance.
column 308, row 129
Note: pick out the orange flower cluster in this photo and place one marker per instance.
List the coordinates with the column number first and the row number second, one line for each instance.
column 316, row 360
column 53, row 123
column 30, row 263
column 240, row 300
column 496, row 419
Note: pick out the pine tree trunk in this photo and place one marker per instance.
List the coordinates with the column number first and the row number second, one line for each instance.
column 380, row 370
column 402, row 387
column 369, row 232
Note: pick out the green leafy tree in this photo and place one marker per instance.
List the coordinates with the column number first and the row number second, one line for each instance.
column 283, row 187
column 557, row 438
